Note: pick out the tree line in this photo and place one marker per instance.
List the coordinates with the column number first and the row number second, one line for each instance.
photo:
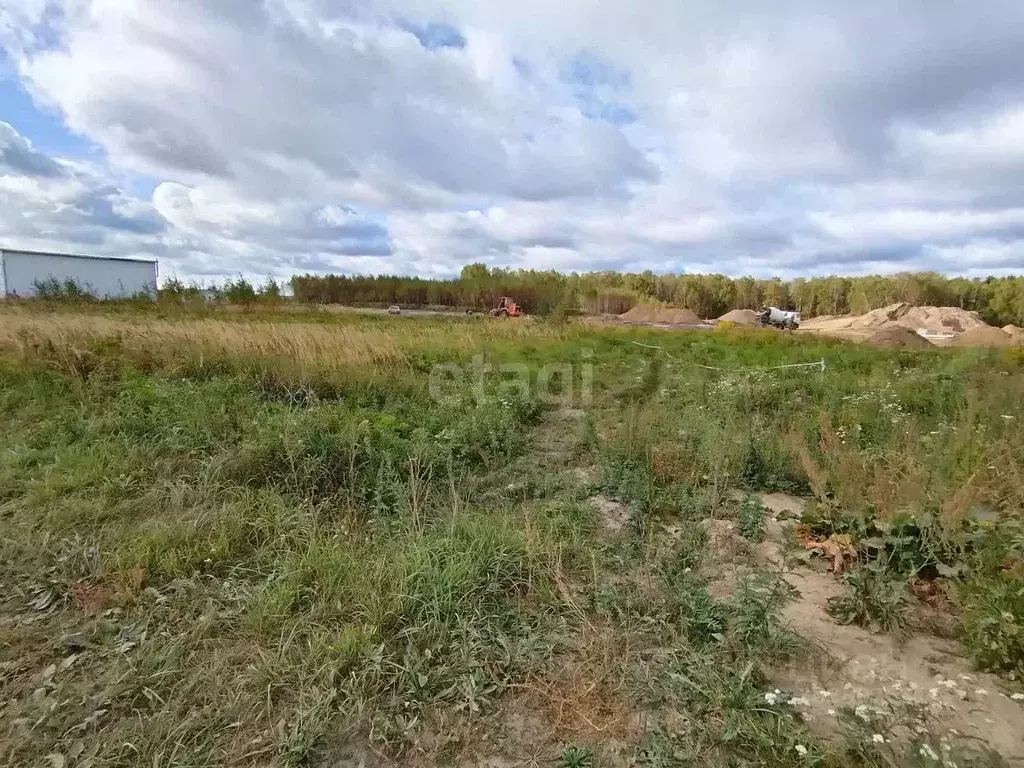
column 1000, row 300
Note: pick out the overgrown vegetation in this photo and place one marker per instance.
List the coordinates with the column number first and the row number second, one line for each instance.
column 259, row 539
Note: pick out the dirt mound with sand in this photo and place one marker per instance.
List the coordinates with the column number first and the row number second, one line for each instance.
column 985, row 337
column 897, row 336
column 934, row 319
column 740, row 317
column 655, row 313
column 1015, row 332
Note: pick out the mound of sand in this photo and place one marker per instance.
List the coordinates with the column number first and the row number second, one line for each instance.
column 1014, row 331
column 934, row 319
column 655, row 313
column 897, row 336
column 984, row 337
column 740, row 317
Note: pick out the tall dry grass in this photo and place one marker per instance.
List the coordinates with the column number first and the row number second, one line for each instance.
column 301, row 348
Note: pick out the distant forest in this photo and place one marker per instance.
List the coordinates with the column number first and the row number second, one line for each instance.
column 998, row 300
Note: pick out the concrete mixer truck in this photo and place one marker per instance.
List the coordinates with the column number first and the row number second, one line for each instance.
column 773, row 317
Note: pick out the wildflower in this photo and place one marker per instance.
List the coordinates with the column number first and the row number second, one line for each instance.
column 824, row 694
column 927, row 752
column 861, row 711
column 799, row 701
column 878, row 738
column 771, row 698
column 800, row 749
column 832, row 712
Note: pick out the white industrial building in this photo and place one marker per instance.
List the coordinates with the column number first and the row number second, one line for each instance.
column 105, row 277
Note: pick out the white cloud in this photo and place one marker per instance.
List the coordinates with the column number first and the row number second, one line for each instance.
column 415, row 136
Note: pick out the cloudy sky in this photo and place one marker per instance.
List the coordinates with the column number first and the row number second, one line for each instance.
column 280, row 136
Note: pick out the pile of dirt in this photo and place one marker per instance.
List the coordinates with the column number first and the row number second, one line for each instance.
column 934, row 319
column 740, row 317
column 985, row 337
column 655, row 313
column 897, row 336
column 1015, row 332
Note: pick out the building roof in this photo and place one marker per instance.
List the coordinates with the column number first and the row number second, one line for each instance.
column 78, row 255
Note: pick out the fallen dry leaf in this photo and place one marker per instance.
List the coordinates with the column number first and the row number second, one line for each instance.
column 838, row 547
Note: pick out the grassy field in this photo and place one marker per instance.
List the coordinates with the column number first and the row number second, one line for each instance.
column 264, row 539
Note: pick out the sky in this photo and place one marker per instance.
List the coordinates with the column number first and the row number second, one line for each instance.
column 274, row 137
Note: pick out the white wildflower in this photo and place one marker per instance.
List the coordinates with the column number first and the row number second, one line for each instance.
column 800, row 749
column 771, row 698
column 861, row 711
column 832, row 712
column 824, row 694
column 927, row 752
column 799, row 701
column 878, row 738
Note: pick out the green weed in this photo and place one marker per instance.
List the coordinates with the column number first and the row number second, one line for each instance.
column 752, row 518
column 875, row 599
column 576, row 757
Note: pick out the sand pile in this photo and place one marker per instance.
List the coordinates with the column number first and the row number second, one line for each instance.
column 655, row 313
column 1015, row 332
column 897, row 336
column 740, row 317
column 984, row 337
column 935, row 319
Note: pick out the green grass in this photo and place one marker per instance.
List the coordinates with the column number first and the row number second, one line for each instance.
column 213, row 558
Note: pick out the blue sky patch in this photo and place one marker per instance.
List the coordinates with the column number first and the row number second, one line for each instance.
column 435, row 34
column 589, row 70
column 43, row 128
column 599, row 86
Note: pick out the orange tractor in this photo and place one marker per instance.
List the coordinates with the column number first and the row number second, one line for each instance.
column 506, row 308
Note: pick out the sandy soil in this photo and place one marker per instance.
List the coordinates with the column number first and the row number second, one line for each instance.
column 934, row 319
column 986, row 337
column 747, row 317
column 654, row 313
